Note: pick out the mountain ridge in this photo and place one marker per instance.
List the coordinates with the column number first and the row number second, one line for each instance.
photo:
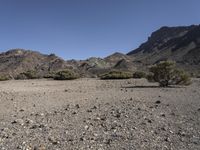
column 179, row 44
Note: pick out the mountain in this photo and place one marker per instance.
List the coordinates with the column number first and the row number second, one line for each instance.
column 16, row 61
column 180, row 44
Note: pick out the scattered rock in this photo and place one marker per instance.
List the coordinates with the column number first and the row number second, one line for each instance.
column 53, row 140
column 158, row 102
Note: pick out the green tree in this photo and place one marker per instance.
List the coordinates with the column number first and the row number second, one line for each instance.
column 166, row 73
column 65, row 75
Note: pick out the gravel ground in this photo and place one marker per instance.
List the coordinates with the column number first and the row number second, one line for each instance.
column 98, row 115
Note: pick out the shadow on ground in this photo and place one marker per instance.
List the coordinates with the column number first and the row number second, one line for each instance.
column 152, row 86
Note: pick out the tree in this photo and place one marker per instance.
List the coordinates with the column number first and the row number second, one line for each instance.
column 116, row 75
column 65, row 75
column 165, row 73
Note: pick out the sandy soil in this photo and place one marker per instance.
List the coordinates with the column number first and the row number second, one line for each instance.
column 94, row 114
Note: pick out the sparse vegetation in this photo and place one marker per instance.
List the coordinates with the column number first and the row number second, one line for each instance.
column 65, row 75
column 50, row 75
column 116, row 75
column 139, row 75
column 4, row 77
column 30, row 74
column 165, row 73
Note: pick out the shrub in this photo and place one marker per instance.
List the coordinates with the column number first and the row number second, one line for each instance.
column 139, row 75
column 50, row 75
column 27, row 75
column 65, row 75
column 150, row 77
column 4, row 78
column 166, row 74
column 116, row 75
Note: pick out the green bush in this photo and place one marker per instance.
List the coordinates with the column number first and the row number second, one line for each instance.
column 139, row 75
column 50, row 75
column 116, row 75
column 150, row 77
column 4, row 78
column 27, row 75
column 65, row 75
column 165, row 73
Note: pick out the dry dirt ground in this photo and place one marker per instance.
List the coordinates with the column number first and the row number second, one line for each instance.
column 98, row 115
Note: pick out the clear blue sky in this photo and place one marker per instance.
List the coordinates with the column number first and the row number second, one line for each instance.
column 83, row 28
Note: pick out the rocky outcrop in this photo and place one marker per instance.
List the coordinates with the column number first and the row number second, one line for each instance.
column 180, row 44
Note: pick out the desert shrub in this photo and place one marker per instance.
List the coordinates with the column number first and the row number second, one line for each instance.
column 165, row 73
column 139, row 74
column 50, row 75
column 116, row 75
column 65, row 75
column 30, row 74
column 4, row 77
column 150, row 77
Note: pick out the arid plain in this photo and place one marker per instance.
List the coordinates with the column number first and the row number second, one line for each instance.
column 98, row 114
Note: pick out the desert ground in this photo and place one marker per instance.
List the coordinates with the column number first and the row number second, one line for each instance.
column 97, row 114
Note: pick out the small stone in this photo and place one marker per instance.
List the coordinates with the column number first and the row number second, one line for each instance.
column 53, row 141
column 21, row 110
column 34, row 126
column 158, row 102
column 118, row 115
column 149, row 121
column 162, row 115
column 14, row 122
column 29, row 121
column 167, row 139
column 74, row 113
column 108, row 141
column 77, row 106
column 86, row 127
column 19, row 121
column 89, row 110
column 95, row 107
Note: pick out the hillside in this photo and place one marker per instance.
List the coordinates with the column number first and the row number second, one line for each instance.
column 180, row 44
column 17, row 61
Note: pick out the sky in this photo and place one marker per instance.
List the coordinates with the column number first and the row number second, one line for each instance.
column 79, row 29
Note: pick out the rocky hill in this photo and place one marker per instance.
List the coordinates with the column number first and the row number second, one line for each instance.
column 16, row 61
column 180, row 44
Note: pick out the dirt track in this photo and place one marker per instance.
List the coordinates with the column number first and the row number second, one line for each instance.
column 95, row 114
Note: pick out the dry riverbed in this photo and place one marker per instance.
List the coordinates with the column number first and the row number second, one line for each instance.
column 98, row 115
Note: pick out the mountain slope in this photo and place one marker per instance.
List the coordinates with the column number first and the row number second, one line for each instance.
column 180, row 44
column 16, row 61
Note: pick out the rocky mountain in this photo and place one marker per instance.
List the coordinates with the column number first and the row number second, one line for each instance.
column 180, row 44
column 16, row 61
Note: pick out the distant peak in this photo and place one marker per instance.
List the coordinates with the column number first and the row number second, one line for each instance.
column 117, row 53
